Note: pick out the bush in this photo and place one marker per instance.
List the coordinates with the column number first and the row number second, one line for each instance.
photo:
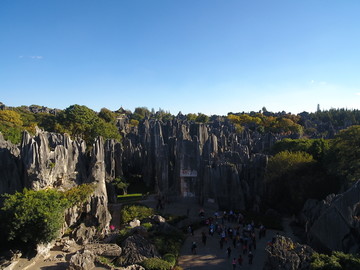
column 337, row 261
column 147, row 225
column 31, row 217
column 79, row 194
column 156, row 264
column 129, row 212
column 170, row 258
column 168, row 243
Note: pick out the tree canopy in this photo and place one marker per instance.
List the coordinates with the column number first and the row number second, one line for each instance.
column 32, row 217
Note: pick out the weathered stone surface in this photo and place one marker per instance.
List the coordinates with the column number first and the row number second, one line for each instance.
column 158, row 219
column 285, row 254
column 110, row 250
column 334, row 224
column 134, row 223
column 135, row 249
column 82, row 260
column 220, row 157
column 83, row 234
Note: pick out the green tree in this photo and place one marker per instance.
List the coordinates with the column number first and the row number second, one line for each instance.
column 80, row 121
column 121, row 184
column 191, row 117
column 294, row 177
column 11, row 125
column 202, row 118
column 107, row 115
column 31, row 217
column 140, row 113
column 34, row 216
column 343, row 159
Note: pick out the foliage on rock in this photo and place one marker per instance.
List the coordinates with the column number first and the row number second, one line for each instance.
column 130, row 212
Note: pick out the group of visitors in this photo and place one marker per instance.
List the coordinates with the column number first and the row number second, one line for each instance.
column 230, row 227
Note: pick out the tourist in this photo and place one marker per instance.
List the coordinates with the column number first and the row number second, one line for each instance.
column 234, row 263
column 228, row 251
column 203, row 238
column 193, row 247
column 221, row 243
column 240, row 260
column 191, row 230
column 250, row 256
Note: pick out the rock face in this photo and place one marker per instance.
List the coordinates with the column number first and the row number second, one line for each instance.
column 334, row 223
column 210, row 162
column 108, row 250
column 135, row 249
column 284, row 254
column 82, row 260
column 50, row 160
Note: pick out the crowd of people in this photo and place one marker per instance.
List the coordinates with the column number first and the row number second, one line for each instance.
column 233, row 234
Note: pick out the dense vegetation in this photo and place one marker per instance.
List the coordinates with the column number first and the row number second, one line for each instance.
column 31, row 217
column 312, row 168
column 335, row 261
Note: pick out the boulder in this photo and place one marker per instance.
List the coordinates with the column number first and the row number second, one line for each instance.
column 334, row 223
column 82, row 234
column 82, row 260
column 284, row 254
column 159, row 219
column 135, row 249
column 134, row 223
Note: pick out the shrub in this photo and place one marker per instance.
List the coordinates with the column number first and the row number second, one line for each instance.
column 147, row 225
column 79, row 194
column 156, row 264
column 171, row 258
column 34, row 216
column 168, row 243
column 129, row 212
column 31, row 217
column 337, row 261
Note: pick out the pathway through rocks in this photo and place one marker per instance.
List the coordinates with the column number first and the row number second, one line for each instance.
column 211, row 257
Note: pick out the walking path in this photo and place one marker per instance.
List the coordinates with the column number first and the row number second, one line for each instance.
column 211, row 257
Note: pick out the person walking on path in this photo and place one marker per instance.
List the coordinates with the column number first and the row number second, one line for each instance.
column 191, row 230
column 234, row 263
column 240, row 260
column 228, row 251
column 203, row 238
column 193, row 248
column 251, row 256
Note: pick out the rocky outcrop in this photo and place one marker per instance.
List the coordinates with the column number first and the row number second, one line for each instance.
column 51, row 160
column 135, row 249
column 107, row 250
column 284, row 254
column 82, row 260
column 334, row 223
column 181, row 158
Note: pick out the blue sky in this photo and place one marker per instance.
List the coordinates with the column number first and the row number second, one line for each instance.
column 206, row 56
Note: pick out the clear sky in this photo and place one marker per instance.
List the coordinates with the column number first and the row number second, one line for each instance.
column 209, row 56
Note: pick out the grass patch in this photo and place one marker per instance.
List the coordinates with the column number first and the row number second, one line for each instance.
column 130, row 195
column 127, row 198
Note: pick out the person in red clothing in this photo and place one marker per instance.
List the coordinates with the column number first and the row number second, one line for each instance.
column 240, row 260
